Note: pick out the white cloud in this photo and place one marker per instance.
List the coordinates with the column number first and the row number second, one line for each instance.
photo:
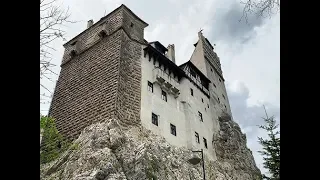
column 257, row 64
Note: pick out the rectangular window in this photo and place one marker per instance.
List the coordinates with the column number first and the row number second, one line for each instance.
column 150, row 86
column 214, row 85
column 205, row 143
column 197, row 137
column 208, row 105
column 154, row 119
column 223, row 96
column 191, row 91
column 164, row 96
column 200, row 116
column 219, row 79
column 202, row 99
column 173, row 129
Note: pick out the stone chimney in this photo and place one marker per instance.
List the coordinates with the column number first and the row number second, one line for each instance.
column 90, row 23
column 171, row 53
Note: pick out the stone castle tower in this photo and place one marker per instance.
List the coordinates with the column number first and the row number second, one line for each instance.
column 208, row 62
column 100, row 74
column 109, row 71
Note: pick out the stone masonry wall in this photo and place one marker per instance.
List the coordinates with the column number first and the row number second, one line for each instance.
column 135, row 30
column 90, row 37
column 86, row 88
column 129, row 88
column 103, row 80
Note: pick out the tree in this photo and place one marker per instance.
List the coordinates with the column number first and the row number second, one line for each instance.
column 262, row 8
column 52, row 19
column 54, row 143
column 271, row 148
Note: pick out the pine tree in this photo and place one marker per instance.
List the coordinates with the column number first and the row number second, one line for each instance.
column 54, row 143
column 271, row 148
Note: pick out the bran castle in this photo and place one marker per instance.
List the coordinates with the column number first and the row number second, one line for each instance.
column 110, row 71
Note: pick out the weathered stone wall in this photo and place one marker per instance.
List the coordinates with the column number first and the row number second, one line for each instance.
column 133, row 26
column 86, row 88
column 103, row 80
column 129, row 87
column 87, row 39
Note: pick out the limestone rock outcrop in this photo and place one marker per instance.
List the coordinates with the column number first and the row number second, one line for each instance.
column 232, row 152
column 104, row 151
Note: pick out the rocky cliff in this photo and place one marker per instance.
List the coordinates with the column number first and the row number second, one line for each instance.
column 104, row 151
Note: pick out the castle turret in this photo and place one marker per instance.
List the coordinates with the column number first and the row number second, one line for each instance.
column 208, row 62
column 100, row 74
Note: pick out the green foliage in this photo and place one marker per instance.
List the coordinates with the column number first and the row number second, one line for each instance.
column 54, row 144
column 271, row 148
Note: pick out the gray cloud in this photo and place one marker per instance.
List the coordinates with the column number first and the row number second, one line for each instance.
column 228, row 26
column 249, row 116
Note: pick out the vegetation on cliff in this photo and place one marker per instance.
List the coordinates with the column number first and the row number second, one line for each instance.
column 53, row 143
column 271, row 148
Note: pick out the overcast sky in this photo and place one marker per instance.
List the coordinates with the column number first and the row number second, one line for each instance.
column 249, row 53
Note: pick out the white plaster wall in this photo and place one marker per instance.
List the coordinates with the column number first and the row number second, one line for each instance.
column 169, row 112
column 181, row 112
column 204, row 129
